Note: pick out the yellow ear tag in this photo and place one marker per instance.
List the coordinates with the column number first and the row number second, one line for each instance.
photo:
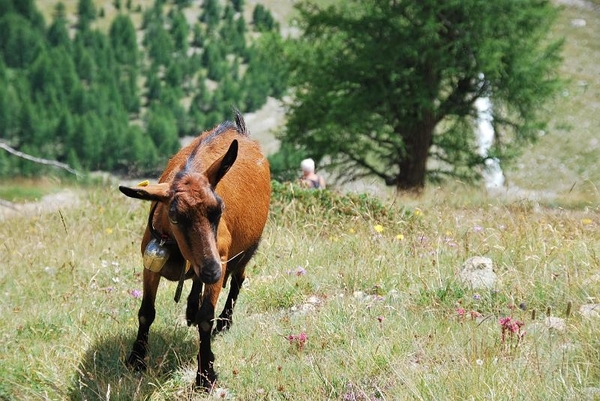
column 144, row 183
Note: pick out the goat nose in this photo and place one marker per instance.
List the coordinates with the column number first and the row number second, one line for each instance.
column 211, row 272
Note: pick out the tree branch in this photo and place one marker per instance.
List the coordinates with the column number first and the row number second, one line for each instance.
column 39, row 160
column 363, row 164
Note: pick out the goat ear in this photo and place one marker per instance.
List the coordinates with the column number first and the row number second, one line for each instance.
column 152, row 192
column 222, row 165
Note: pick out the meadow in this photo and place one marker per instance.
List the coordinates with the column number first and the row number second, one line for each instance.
column 349, row 298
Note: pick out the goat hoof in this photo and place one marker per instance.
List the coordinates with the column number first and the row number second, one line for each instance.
column 136, row 362
column 206, row 382
column 222, row 326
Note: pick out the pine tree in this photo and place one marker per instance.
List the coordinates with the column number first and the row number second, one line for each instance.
column 211, row 14
column 390, row 85
column 58, row 33
column 159, row 43
column 9, row 105
column 86, row 13
column 21, row 43
column 28, row 10
column 180, row 32
column 123, row 40
column 162, row 129
column 263, row 19
column 198, row 36
column 214, row 60
column 238, row 5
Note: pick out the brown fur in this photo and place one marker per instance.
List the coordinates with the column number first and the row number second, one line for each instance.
column 221, row 171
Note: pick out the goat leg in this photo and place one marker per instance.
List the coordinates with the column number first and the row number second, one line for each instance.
column 146, row 316
column 193, row 302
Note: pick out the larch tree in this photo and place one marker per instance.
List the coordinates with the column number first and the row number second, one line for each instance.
column 387, row 88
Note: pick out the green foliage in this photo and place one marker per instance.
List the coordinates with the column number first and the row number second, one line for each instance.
column 266, row 75
column 58, row 32
column 263, row 19
column 383, row 87
column 198, row 37
column 179, row 31
column 284, row 163
column 214, row 60
column 289, row 200
column 211, row 13
column 159, row 43
column 86, row 13
column 183, row 3
column 21, row 43
column 162, row 129
column 123, row 40
column 98, row 100
column 238, row 5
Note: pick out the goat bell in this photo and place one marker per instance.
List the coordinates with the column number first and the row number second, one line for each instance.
column 155, row 255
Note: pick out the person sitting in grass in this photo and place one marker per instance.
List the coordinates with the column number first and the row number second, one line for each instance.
column 309, row 178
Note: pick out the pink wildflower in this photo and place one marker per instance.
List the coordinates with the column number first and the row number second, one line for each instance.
column 461, row 312
column 300, row 271
column 135, row 293
column 299, row 340
column 512, row 327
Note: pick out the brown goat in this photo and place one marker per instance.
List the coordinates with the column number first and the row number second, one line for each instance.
column 207, row 216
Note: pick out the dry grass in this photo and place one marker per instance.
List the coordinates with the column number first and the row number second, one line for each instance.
column 379, row 308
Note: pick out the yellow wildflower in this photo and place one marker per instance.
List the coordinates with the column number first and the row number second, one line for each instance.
column 109, row 230
column 586, row 221
column 400, row 237
column 378, row 228
column 352, row 231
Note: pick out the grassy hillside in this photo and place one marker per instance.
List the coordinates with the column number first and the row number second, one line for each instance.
column 563, row 166
column 346, row 299
column 566, row 161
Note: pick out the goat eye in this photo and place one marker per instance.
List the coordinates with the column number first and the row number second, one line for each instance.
column 173, row 213
column 214, row 214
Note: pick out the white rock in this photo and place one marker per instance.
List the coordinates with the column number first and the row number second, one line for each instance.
column 478, row 272
column 556, row 323
column 314, row 300
column 590, row 310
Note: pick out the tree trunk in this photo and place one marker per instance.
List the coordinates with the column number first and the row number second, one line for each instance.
column 413, row 162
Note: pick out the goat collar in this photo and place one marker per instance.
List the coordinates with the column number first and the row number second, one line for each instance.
column 162, row 238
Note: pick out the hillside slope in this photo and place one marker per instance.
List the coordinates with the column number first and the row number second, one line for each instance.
column 563, row 163
column 566, row 160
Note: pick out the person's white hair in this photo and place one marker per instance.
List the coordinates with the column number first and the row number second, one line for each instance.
column 308, row 165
